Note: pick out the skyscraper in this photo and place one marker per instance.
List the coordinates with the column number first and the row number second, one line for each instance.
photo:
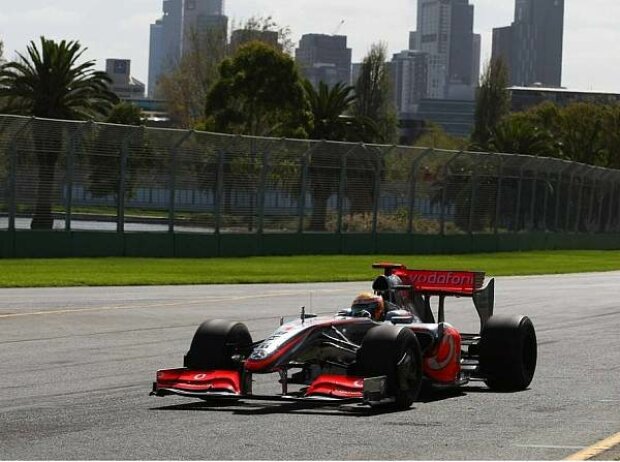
column 324, row 58
column 409, row 70
column 532, row 46
column 172, row 34
column 165, row 46
column 445, row 32
column 200, row 17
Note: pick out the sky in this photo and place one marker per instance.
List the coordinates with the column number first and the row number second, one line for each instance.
column 120, row 28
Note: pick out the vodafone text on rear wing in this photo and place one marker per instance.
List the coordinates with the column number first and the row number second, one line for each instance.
column 429, row 283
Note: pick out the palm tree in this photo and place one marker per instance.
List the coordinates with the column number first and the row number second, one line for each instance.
column 329, row 106
column 517, row 135
column 331, row 110
column 50, row 83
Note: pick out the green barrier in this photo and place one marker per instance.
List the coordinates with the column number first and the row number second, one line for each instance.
column 149, row 245
column 60, row 244
column 97, row 244
column 195, row 245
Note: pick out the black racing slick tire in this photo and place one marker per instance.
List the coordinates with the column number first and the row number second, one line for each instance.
column 508, row 353
column 219, row 345
column 393, row 352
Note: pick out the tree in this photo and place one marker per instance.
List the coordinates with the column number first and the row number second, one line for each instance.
column 51, row 83
column 185, row 87
column 104, row 169
column 521, row 134
column 581, row 132
column 436, row 137
column 254, row 26
column 329, row 107
column 611, row 135
column 492, row 102
column 260, row 93
column 374, row 97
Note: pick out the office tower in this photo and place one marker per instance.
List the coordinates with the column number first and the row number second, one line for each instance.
column 445, row 32
column 165, row 46
column 241, row 36
column 475, row 71
column 409, row 70
column 201, row 17
column 324, row 58
column 123, row 84
column 532, row 46
column 183, row 21
column 156, row 58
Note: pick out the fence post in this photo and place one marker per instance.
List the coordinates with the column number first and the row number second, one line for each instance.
column 570, row 193
column 172, row 179
column 472, row 201
column 557, row 198
column 75, row 139
column 611, row 204
column 219, row 191
column 579, row 197
column 595, row 186
column 122, row 182
column 301, row 204
column 534, row 193
column 13, row 175
column 415, row 165
column 617, row 227
column 342, row 186
column 498, row 196
column 618, row 214
column 379, row 171
column 305, row 167
column 519, row 194
column 444, row 193
column 599, row 226
column 262, row 186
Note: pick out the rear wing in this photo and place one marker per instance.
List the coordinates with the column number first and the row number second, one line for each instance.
column 446, row 283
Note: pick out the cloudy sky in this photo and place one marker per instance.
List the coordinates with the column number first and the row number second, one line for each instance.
column 120, row 28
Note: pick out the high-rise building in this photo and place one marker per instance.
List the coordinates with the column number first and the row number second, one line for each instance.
column 409, row 71
column 324, row 58
column 171, row 36
column 201, row 17
column 165, row 46
column 241, row 36
column 123, row 84
column 475, row 63
column 445, row 32
column 532, row 46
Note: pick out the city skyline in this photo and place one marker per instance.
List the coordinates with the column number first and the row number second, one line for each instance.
column 587, row 65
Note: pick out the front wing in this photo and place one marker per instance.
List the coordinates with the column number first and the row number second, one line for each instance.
column 235, row 385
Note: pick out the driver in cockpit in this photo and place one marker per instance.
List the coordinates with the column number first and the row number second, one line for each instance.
column 368, row 305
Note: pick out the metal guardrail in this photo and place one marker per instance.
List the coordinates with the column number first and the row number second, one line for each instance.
column 86, row 175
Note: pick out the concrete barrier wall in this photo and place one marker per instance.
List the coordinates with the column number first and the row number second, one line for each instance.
column 58, row 244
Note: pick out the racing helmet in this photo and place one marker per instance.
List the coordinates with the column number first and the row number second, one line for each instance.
column 370, row 303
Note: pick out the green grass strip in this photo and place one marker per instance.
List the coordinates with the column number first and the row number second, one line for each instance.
column 144, row 271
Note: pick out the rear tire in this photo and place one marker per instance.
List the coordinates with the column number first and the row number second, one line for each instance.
column 219, row 344
column 508, row 352
column 393, row 352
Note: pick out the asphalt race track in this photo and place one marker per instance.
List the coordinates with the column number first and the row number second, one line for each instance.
column 76, row 367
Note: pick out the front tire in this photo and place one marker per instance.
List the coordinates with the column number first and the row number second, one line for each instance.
column 395, row 353
column 219, row 344
column 508, row 353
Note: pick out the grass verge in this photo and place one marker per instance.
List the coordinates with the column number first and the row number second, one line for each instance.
column 143, row 271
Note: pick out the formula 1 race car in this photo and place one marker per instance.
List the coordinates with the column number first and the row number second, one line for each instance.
column 378, row 352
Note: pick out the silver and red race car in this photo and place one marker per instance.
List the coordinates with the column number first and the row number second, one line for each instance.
column 378, row 352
